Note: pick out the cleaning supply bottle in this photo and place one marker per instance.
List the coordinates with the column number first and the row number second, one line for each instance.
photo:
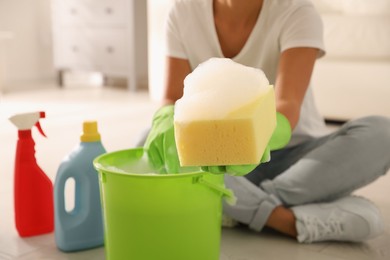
column 81, row 227
column 33, row 190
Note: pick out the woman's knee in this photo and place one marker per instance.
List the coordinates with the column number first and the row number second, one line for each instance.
column 372, row 138
column 377, row 122
column 373, row 129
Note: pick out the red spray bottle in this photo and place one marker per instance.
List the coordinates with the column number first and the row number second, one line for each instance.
column 33, row 190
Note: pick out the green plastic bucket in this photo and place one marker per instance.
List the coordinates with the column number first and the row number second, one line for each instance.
column 158, row 217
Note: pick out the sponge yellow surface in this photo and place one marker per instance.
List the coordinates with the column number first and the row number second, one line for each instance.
column 239, row 138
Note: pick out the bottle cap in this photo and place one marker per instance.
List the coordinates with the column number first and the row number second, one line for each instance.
column 90, row 132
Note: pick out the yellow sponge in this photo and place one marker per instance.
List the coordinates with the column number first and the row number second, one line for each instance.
column 239, row 138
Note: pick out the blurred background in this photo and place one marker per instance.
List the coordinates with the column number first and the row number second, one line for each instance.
column 46, row 43
column 103, row 60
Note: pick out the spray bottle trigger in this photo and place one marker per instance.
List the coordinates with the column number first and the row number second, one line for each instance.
column 38, row 125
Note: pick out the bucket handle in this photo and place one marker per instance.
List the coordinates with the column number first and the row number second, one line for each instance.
column 226, row 193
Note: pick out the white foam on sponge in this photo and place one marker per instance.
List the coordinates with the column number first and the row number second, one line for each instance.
column 217, row 87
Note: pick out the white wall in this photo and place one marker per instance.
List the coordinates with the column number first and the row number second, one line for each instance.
column 353, row 80
column 157, row 12
column 29, row 53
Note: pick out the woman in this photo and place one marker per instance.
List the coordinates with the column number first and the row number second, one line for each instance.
column 304, row 191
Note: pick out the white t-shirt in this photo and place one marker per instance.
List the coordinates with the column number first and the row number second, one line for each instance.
column 282, row 24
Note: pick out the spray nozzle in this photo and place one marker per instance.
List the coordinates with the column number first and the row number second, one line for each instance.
column 26, row 121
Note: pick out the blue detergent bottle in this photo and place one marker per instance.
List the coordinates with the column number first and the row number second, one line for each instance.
column 81, row 227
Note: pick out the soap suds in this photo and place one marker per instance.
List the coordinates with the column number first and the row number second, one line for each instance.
column 217, row 87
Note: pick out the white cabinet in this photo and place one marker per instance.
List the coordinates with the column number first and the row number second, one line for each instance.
column 108, row 36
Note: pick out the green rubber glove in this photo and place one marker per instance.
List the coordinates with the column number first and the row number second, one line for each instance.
column 160, row 145
column 282, row 133
column 279, row 139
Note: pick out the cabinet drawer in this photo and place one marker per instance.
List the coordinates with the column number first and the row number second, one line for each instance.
column 90, row 12
column 72, row 49
column 103, row 50
column 111, row 51
column 108, row 12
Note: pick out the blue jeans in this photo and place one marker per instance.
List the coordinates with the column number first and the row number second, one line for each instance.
column 322, row 169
